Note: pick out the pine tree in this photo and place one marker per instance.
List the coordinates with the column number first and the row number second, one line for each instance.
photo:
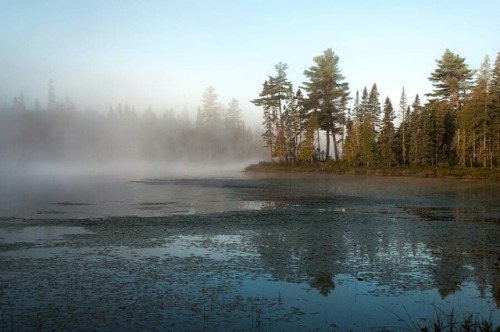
column 452, row 83
column 473, row 123
column 367, row 142
column 307, row 146
column 364, row 105
column 356, row 106
column 209, row 126
column 325, row 90
column 232, row 116
column 351, row 147
column 275, row 91
column 293, row 123
column 415, row 154
column 386, row 140
column 374, row 107
column 451, row 80
column 269, row 116
column 209, row 114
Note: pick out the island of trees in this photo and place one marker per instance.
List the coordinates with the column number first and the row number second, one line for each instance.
column 322, row 126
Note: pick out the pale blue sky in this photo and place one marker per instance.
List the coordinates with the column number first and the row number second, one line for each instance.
column 164, row 53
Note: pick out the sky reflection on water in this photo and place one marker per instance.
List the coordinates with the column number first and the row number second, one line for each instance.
column 280, row 253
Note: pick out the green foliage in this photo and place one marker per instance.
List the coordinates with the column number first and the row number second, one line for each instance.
column 458, row 125
column 273, row 97
column 307, row 147
column 386, row 139
column 326, row 94
column 367, row 142
column 451, row 79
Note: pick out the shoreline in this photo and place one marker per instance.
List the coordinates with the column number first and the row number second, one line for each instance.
column 397, row 171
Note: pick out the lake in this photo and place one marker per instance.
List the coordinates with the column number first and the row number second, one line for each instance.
column 227, row 250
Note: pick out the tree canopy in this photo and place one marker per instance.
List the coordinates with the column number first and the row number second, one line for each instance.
column 458, row 125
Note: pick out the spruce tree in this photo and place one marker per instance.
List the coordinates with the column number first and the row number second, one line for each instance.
column 209, row 114
column 374, row 107
column 416, row 133
column 386, row 141
column 232, row 116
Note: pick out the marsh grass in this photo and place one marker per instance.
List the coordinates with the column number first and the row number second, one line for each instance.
column 448, row 322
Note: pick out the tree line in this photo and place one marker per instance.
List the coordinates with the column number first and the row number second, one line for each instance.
column 458, row 125
column 61, row 132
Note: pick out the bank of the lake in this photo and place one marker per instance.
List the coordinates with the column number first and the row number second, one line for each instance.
column 339, row 168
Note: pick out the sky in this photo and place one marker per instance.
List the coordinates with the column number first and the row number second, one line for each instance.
column 164, row 54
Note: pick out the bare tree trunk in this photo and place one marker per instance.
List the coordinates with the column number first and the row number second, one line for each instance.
column 474, row 149
column 319, row 145
column 335, row 147
column 327, row 155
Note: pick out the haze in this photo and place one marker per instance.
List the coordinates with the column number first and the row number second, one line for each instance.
column 165, row 53
column 161, row 56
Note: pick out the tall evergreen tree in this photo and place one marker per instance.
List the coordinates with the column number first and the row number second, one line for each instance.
column 293, row 114
column 374, row 107
column 367, row 142
column 210, row 111
column 386, row 140
column 415, row 128
column 451, row 79
column 452, row 83
column 325, row 89
column 473, row 122
column 351, row 146
column 232, row 116
column 307, row 146
column 275, row 91
column 364, row 105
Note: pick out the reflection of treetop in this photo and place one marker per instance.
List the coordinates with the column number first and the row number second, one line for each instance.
column 322, row 282
column 314, row 247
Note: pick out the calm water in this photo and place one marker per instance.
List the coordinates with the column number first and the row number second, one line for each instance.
column 250, row 252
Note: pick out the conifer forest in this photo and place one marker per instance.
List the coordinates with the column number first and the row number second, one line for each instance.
column 62, row 132
column 457, row 124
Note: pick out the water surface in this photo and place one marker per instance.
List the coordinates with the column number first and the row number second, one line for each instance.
column 250, row 252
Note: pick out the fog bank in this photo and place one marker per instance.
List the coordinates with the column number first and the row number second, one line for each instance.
column 122, row 142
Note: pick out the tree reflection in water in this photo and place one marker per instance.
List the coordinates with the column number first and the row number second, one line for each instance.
column 323, row 282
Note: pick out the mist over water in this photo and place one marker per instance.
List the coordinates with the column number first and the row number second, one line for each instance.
column 51, row 155
column 78, row 190
column 69, row 190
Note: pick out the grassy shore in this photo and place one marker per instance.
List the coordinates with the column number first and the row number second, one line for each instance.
column 339, row 168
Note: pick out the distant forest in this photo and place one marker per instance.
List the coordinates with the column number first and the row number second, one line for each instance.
column 61, row 133
column 458, row 125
